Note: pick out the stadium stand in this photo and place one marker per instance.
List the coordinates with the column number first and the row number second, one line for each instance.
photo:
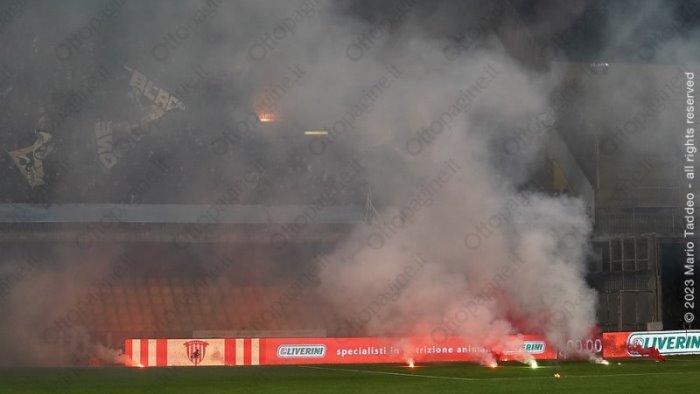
column 165, row 307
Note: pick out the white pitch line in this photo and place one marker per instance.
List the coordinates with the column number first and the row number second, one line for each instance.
column 388, row 373
column 489, row 379
column 631, row 374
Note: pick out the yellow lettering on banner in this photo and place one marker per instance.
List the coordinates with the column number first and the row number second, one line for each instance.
column 155, row 112
column 155, row 94
column 150, row 91
column 138, row 81
column 175, row 103
column 105, row 144
column 162, row 99
column 29, row 160
column 108, row 159
column 103, row 129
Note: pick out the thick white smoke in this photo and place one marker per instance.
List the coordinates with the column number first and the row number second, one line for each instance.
column 495, row 261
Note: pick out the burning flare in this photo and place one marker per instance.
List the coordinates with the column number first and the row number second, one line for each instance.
column 266, row 117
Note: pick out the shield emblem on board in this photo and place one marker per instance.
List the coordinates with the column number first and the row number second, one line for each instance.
column 196, row 350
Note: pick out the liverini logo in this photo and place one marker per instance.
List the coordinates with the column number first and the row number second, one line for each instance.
column 534, row 347
column 667, row 342
column 531, row 347
column 301, row 351
column 196, row 350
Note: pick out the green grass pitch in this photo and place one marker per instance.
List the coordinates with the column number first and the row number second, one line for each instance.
column 678, row 375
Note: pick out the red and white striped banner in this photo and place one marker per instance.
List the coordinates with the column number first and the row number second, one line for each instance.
column 192, row 352
column 276, row 351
